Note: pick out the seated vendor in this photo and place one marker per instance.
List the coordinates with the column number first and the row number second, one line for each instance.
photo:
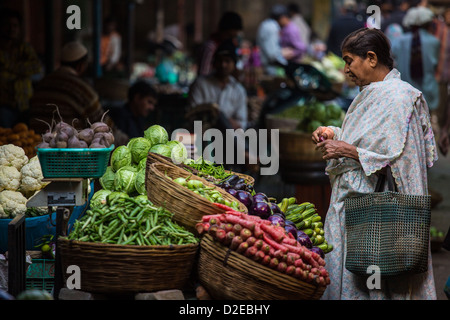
column 221, row 88
column 131, row 119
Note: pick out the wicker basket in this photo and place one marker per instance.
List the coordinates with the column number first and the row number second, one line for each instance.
column 187, row 207
column 298, row 146
column 228, row 275
column 157, row 158
column 107, row 268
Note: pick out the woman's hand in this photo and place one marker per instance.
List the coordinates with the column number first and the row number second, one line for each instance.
column 335, row 149
column 322, row 134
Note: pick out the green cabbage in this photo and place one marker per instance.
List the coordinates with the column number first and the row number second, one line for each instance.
column 107, row 180
column 143, row 199
column 178, row 153
column 120, row 157
column 157, row 135
column 124, row 180
column 142, row 164
column 99, row 198
column 161, row 149
column 139, row 182
column 139, row 148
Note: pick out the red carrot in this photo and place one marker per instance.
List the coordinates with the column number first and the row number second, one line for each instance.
column 290, row 270
column 252, row 241
column 220, row 235
column 282, row 266
column 279, row 255
column 323, row 272
column 237, row 228
column 207, row 218
column 245, row 234
column 273, row 243
column 274, row 232
column 200, row 228
column 229, row 238
column 321, row 262
column 242, row 247
column 267, row 249
column 273, row 263
column 315, row 255
column 236, row 242
column 258, row 233
column 213, row 229
column 315, row 271
column 245, row 223
column 291, row 258
column 327, row 280
column 299, row 263
column 206, row 226
column 228, row 227
column 311, row 277
column 259, row 243
column 250, row 251
column 266, row 260
column 298, row 250
column 259, row 255
column 299, row 273
column 290, row 241
column 223, row 207
column 290, row 236
column 234, row 213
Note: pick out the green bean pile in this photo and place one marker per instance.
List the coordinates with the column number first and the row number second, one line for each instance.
column 126, row 221
column 210, row 170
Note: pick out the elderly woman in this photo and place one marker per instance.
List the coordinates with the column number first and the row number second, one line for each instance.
column 387, row 124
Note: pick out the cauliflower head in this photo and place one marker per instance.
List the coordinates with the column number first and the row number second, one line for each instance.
column 9, row 178
column 32, row 177
column 11, row 155
column 12, row 203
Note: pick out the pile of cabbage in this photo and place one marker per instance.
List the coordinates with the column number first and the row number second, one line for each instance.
column 126, row 172
column 314, row 114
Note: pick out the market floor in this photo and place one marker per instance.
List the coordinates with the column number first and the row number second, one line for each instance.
column 439, row 177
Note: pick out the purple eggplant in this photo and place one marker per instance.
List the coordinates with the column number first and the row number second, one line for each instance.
column 277, row 220
column 261, row 209
column 233, row 192
column 275, row 208
column 260, row 197
column 318, row 251
column 289, row 222
column 291, row 229
column 245, row 198
column 303, row 239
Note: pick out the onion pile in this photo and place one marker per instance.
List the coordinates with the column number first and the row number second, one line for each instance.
column 64, row 135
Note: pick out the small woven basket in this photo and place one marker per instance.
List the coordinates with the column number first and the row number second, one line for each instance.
column 187, row 207
column 157, row 158
column 228, row 275
column 107, row 268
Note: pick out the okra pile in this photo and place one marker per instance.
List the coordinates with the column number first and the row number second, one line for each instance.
column 128, row 221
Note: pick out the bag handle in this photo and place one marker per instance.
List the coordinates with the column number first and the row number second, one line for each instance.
column 392, row 186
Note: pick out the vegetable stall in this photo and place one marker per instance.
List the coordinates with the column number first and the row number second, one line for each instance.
column 161, row 221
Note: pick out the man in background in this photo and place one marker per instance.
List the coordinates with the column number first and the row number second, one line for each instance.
column 74, row 97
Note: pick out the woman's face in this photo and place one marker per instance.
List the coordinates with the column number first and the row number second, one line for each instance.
column 359, row 70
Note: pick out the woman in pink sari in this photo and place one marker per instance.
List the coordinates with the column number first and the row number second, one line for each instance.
column 387, row 124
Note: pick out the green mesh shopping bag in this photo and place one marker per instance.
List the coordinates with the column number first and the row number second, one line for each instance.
column 388, row 230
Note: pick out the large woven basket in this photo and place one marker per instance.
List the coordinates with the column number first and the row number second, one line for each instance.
column 228, row 275
column 187, row 207
column 157, row 158
column 107, row 268
column 298, row 146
